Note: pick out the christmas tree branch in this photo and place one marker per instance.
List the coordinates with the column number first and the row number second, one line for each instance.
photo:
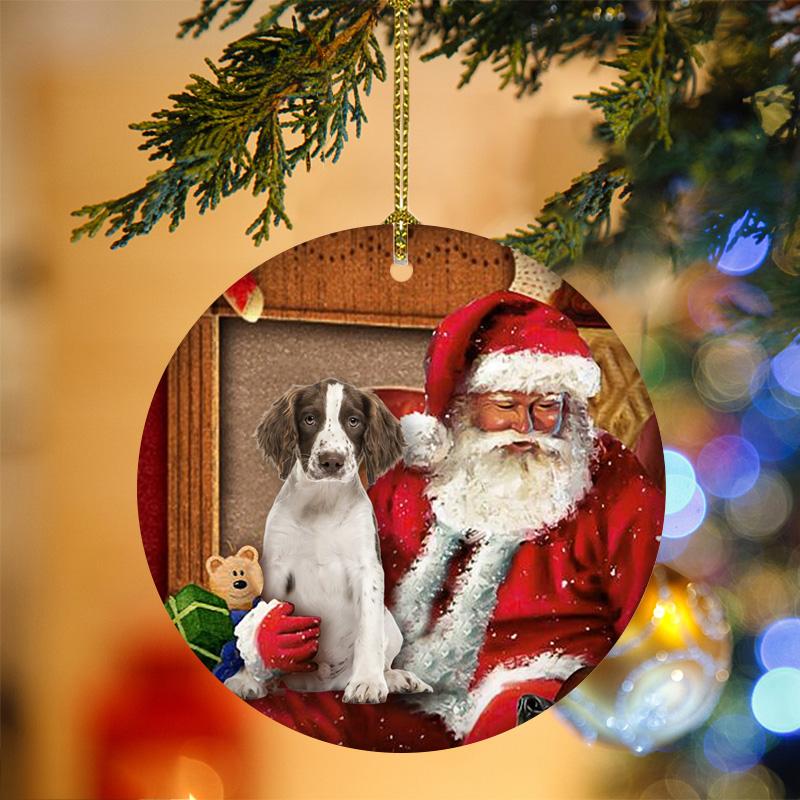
column 210, row 8
column 279, row 97
column 518, row 39
column 657, row 67
column 571, row 218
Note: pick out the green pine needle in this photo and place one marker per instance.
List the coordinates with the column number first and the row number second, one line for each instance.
column 657, row 69
column 570, row 219
column 210, row 8
column 518, row 39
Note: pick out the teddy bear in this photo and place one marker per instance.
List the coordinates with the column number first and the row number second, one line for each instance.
column 237, row 579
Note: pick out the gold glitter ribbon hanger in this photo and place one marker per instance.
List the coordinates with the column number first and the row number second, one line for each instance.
column 401, row 218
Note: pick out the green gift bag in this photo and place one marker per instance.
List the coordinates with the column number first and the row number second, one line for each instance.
column 203, row 619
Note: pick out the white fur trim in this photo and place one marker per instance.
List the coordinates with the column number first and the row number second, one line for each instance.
column 427, row 440
column 461, row 710
column 545, row 666
column 447, row 657
column 417, row 589
column 244, row 685
column 246, row 634
column 528, row 371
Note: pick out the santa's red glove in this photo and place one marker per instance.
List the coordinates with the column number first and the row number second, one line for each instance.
column 286, row 642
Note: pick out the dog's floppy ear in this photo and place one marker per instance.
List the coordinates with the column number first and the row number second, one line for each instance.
column 276, row 434
column 383, row 439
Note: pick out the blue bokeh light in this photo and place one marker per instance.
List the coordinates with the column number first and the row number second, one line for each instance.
column 786, row 368
column 771, row 406
column 779, row 644
column 680, row 480
column 728, row 466
column 688, row 519
column 734, row 743
column 773, row 438
column 742, row 254
column 776, row 700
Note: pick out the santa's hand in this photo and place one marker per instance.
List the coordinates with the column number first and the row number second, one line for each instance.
column 286, row 642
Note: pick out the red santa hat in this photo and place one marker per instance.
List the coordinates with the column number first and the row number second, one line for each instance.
column 502, row 342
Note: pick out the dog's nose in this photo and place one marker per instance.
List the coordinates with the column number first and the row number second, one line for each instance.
column 331, row 462
column 240, row 584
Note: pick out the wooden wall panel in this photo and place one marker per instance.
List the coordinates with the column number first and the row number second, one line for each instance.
column 193, row 454
column 344, row 277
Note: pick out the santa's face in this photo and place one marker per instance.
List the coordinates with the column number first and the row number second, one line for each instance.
column 526, row 414
column 519, row 462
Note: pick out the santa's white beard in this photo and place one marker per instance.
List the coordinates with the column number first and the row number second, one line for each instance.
column 485, row 488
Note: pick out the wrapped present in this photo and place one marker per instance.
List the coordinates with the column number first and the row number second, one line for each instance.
column 203, row 619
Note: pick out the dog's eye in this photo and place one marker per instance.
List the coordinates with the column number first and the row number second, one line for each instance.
column 353, row 422
column 309, row 419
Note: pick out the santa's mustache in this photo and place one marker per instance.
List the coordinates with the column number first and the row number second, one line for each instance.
column 487, row 441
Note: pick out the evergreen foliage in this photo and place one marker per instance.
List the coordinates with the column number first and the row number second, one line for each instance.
column 210, row 8
column 279, row 97
column 656, row 65
column 573, row 217
column 518, row 39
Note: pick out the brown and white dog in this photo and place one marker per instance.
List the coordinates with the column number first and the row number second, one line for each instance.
column 321, row 549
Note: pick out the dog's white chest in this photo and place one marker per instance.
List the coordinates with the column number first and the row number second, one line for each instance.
column 316, row 563
column 317, row 577
column 313, row 563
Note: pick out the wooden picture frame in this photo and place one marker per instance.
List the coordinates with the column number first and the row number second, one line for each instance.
column 343, row 279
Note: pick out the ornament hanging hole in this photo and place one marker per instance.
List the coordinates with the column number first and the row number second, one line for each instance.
column 401, row 271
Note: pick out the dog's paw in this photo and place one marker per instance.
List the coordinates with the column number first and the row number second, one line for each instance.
column 246, row 686
column 401, row 681
column 369, row 690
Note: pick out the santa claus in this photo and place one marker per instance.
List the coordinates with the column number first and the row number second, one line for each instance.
column 516, row 537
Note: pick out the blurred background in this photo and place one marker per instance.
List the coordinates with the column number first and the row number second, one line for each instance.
column 100, row 697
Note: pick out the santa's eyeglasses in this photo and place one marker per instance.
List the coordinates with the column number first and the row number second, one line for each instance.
column 544, row 413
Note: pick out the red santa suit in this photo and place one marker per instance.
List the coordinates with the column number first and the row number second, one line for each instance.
column 489, row 616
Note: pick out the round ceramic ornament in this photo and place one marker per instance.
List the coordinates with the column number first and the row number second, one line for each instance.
column 401, row 488
column 401, row 516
